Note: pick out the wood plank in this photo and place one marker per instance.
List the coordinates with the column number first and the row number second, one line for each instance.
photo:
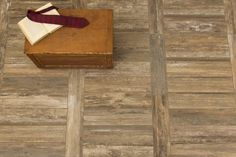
column 230, row 20
column 29, row 149
column 75, row 114
column 201, row 101
column 130, row 25
column 32, row 102
column 200, row 150
column 210, row 117
column 160, row 110
column 118, row 151
column 234, row 14
column 200, row 85
column 22, row 85
column 4, row 7
column 133, row 40
column 185, row 45
column 186, row 24
column 122, row 70
column 199, row 69
column 32, row 116
column 203, row 134
column 123, row 9
column 117, row 117
column 128, row 55
column 120, row 83
column 194, row 7
column 118, row 100
column 23, row 134
column 118, row 135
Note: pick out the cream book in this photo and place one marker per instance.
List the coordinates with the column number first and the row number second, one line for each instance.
column 35, row 31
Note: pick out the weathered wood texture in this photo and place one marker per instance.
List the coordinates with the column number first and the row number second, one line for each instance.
column 199, row 42
column 74, row 114
column 200, row 79
column 117, row 108
column 160, row 113
column 33, row 102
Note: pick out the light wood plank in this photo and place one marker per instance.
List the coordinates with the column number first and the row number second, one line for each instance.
column 23, row 134
column 32, row 116
column 230, row 9
column 185, row 45
column 199, row 69
column 29, row 149
column 200, row 85
column 201, row 150
column 201, row 101
column 188, row 24
column 117, row 117
column 118, row 135
column 75, row 114
column 33, row 102
column 122, row 70
column 128, row 9
column 194, row 7
column 119, row 83
column 206, row 117
column 117, row 151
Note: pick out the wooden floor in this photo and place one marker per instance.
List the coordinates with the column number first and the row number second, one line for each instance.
column 171, row 92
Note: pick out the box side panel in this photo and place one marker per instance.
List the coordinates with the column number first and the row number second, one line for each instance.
column 72, row 61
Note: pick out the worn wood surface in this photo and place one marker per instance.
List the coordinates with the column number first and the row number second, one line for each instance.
column 160, row 113
column 171, row 92
column 74, row 114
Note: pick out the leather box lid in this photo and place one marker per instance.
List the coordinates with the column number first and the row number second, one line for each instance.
column 95, row 39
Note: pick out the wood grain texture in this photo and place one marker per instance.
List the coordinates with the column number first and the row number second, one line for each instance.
column 201, row 99
column 160, row 113
column 119, row 151
column 230, row 20
column 116, row 117
column 117, row 109
column 194, row 7
column 74, row 115
column 13, row 149
column 4, row 7
column 24, row 133
column 33, row 102
column 196, row 150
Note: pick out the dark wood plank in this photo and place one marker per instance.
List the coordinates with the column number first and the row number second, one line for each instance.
column 160, row 116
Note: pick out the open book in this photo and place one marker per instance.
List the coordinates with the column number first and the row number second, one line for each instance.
column 35, row 31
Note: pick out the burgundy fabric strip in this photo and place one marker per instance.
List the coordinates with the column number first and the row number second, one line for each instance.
column 68, row 21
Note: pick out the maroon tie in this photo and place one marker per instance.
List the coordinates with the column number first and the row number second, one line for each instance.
column 68, row 21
